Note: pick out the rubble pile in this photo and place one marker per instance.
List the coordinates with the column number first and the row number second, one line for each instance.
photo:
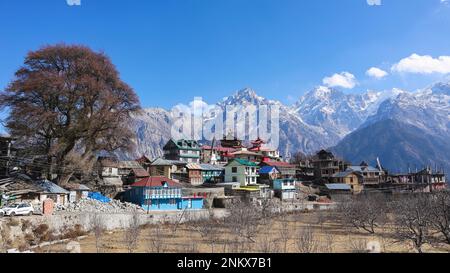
column 92, row 205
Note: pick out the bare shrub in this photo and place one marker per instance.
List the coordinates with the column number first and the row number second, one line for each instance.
column 156, row 242
column 132, row 233
column 357, row 245
column 209, row 231
column 284, row 233
column 98, row 229
column 305, row 240
column 5, row 241
column 26, row 224
column 267, row 243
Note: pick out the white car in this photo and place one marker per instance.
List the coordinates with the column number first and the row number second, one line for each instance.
column 18, row 209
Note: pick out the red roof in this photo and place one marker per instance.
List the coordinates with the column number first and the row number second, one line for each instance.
column 156, row 181
column 219, row 149
column 278, row 164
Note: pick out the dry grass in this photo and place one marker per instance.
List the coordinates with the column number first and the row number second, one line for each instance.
column 325, row 236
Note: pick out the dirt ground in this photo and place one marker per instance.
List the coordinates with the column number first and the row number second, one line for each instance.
column 297, row 233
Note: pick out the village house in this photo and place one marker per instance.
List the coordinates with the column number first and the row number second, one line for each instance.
column 352, row 178
column 49, row 190
column 285, row 169
column 245, row 154
column 337, row 192
column 269, row 154
column 161, row 193
column 145, row 162
column 182, row 150
column 326, row 165
column 422, row 181
column 216, row 155
column 305, row 170
column 242, row 171
column 370, row 176
column 212, row 173
column 267, row 174
column 194, row 174
column 285, row 189
column 108, row 169
column 77, row 191
column 166, row 168
column 135, row 175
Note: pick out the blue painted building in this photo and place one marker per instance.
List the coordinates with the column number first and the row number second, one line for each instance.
column 161, row 193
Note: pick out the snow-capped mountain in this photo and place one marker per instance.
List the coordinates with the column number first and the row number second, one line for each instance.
column 410, row 130
column 320, row 119
column 339, row 113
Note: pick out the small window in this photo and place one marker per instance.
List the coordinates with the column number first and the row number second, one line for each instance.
column 234, row 169
column 235, row 179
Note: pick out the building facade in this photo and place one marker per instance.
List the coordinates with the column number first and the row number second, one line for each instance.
column 182, row 150
column 242, row 171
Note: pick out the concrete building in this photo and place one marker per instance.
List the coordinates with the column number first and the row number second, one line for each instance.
column 161, row 193
column 352, row 178
column 242, row 171
column 182, row 150
column 285, row 189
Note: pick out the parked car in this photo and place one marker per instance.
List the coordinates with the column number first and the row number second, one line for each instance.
column 18, row 209
column 2, row 213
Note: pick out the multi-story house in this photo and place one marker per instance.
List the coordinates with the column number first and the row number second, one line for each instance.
column 108, row 170
column 371, row 176
column 217, row 155
column 326, row 165
column 267, row 153
column 212, row 173
column 285, row 169
column 164, row 167
column 285, row 189
column 352, row 178
column 242, row 171
column 161, row 193
column 267, row 174
column 182, row 150
column 194, row 174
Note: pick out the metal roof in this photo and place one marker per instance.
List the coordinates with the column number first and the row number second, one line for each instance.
column 268, row 169
column 50, row 187
column 345, row 174
column 338, row 187
column 210, row 167
column 363, row 169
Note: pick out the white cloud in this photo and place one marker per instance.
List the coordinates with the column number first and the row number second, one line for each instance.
column 375, row 2
column 423, row 64
column 375, row 72
column 344, row 79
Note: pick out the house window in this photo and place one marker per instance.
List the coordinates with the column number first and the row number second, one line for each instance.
column 235, row 179
column 234, row 169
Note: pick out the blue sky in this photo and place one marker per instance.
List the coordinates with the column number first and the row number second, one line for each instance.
column 170, row 51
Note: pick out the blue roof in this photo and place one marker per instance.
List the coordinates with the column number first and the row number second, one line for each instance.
column 338, row 187
column 267, row 169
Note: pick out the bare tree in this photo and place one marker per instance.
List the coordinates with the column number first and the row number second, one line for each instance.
column 243, row 220
column 98, row 229
column 440, row 214
column 412, row 220
column 363, row 212
column 305, row 240
column 66, row 99
column 132, row 233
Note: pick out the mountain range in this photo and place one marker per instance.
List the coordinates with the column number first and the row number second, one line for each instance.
column 402, row 128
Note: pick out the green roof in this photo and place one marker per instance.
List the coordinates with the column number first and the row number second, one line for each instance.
column 245, row 162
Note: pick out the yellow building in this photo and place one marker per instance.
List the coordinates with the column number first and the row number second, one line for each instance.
column 354, row 179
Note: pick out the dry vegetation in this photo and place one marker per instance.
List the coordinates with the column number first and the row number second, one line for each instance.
column 414, row 223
